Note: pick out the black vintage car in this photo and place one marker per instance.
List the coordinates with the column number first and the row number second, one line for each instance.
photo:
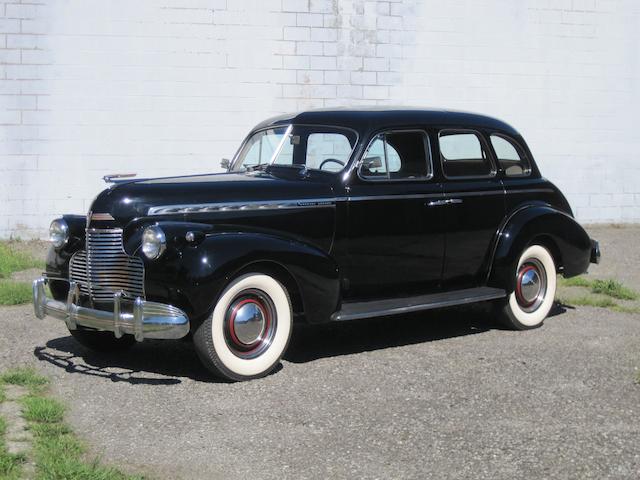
column 326, row 215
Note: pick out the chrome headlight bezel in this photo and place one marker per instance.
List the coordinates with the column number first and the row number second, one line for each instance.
column 154, row 242
column 59, row 233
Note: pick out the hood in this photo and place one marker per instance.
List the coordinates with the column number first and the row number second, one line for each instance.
column 129, row 200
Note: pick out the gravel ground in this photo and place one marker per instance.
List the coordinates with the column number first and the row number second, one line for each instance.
column 443, row 395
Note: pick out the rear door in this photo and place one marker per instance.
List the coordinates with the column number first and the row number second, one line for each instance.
column 474, row 206
column 395, row 240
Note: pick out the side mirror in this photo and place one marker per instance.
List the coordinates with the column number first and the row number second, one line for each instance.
column 225, row 163
column 372, row 162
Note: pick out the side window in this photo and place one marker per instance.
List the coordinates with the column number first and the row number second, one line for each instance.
column 330, row 151
column 511, row 160
column 463, row 154
column 397, row 156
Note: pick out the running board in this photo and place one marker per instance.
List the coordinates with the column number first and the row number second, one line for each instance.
column 396, row 306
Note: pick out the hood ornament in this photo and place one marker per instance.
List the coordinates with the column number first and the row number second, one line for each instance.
column 116, row 176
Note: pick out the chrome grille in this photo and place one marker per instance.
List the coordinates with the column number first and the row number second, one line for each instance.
column 104, row 268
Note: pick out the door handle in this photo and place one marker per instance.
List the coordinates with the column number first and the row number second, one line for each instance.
column 448, row 201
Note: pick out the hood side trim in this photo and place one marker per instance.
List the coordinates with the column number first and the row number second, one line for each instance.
column 243, row 206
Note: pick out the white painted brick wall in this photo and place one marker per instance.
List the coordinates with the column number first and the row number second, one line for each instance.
column 90, row 87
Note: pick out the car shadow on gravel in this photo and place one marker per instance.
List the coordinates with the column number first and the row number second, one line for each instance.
column 165, row 362
column 312, row 342
column 148, row 363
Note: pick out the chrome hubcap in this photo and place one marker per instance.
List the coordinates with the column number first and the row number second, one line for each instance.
column 250, row 324
column 249, row 320
column 531, row 285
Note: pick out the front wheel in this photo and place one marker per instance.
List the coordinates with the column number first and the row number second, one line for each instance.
column 534, row 293
column 249, row 330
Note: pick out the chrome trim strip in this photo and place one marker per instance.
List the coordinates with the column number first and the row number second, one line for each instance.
column 243, row 206
column 530, row 190
column 394, row 197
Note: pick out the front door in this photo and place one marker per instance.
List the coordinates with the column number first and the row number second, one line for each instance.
column 395, row 236
column 475, row 206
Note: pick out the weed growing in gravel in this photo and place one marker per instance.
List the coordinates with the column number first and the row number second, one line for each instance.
column 575, row 282
column 613, row 288
column 3, row 397
column 25, row 377
column 602, row 292
column 589, row 301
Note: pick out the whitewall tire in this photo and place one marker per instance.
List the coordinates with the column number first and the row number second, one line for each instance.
column 535, row 289
column 249, row 330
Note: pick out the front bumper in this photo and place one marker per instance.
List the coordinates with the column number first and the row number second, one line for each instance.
column 146, row 320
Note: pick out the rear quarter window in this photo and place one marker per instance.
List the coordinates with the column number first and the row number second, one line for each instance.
column 510, row 156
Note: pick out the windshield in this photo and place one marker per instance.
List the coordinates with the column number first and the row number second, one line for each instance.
column 314, row 147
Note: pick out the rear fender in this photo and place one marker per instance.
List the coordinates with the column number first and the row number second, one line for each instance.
column 568, row 242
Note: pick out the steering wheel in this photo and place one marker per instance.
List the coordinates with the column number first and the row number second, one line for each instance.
column 330, row 160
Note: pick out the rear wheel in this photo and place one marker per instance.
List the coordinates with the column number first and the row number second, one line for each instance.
column 535, row 290
column 249, row 330
column 102, row 341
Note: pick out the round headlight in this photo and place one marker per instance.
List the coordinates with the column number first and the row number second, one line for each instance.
column 154, row 242
column 59, row 233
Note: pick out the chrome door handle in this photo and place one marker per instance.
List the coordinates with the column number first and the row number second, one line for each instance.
column 449, row 201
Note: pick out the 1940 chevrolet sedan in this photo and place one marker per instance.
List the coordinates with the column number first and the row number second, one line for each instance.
column 326, row 215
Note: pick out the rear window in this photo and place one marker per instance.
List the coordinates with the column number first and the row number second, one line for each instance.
column 464, row 154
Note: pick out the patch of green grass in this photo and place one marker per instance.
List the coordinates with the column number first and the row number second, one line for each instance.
column 57, row 452
column 589, row 301
column 613, row 288
column 9, row 464
column 14, row 293
column 59, row 455
column 25, row 377
column 610, row 288
column 575, row 282
column 12, row 260
column 3, row 396
column 42, row 410
column 625, row 309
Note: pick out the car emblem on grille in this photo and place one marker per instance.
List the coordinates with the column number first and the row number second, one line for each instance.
column 101, row 217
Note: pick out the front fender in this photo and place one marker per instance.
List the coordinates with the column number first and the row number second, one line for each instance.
column 195, row 277
column 569, row 242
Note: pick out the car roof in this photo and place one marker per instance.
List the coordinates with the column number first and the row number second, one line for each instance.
column 371, row 118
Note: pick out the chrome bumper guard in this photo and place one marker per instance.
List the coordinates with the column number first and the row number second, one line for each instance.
column 148, row 319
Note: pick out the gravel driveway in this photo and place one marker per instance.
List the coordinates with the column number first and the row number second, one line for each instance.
column 441, row 395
